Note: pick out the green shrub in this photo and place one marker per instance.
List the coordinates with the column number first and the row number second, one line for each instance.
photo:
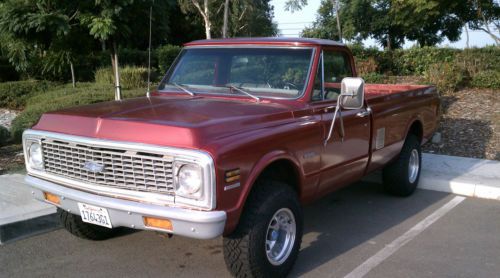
column 374, row 77
column 104, row 76
column 479, row 60
column 486, row 79
column 418, row 60
column 64, row 97
column 446, row 76
column 130, row 77
column 13, row 95
column 4, row 135
column 166, row 56
column 366, row 66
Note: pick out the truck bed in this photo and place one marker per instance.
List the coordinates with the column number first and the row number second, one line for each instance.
column 394, row 106
column 378, row 90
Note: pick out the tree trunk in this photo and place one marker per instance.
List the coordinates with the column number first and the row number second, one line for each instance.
column 208, row 24
column 72, row 74
column 116, row 71
column 389, row 42
column 226, row 18
column 206, row 16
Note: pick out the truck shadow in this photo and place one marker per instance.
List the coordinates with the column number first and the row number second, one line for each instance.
column 351, row 218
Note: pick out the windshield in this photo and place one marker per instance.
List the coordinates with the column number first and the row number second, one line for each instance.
column 262, row 72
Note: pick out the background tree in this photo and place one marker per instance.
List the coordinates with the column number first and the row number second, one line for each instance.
column 295, row 5
column 235, row 18
column 34, row 30
column 250, row 18
column 483, row 15
column 392, row 22
column 204, row 9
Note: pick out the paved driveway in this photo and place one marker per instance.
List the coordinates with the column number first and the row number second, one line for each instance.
column 345, row 232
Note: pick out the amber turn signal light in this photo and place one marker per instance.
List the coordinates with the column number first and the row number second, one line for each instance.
column 52, row 198
column 158, row 223
column 233, row 175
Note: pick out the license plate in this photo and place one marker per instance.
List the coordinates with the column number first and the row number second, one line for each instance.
column 94, row 215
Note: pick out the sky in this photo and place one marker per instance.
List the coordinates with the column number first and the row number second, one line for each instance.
column 291, row 24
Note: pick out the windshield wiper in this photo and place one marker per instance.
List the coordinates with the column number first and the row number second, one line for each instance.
column 183, row 88
column 244, row 92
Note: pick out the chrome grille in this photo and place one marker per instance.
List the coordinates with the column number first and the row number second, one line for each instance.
column 124, row 169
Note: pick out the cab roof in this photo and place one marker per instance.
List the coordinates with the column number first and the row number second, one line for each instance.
column 267, row 41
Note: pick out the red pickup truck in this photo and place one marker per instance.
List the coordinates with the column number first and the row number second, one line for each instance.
column 238, row 136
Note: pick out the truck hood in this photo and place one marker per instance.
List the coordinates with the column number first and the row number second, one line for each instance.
column 169, row 121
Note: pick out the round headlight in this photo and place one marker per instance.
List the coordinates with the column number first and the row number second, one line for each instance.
column 189, row 179
column 35, row 156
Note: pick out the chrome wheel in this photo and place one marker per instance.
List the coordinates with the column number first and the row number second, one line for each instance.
column 413, row 166
column 280, row 236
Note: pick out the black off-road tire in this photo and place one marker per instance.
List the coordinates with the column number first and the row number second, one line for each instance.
column 396, row 176
column 244, row 250
column 74, row 224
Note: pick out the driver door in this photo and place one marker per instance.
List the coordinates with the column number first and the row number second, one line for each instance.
column 343, row 158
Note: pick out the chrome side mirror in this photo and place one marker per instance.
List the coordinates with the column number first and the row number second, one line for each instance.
column 352, row 93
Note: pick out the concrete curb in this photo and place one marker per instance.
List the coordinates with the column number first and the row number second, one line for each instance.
column 471, row 177
column 22, row 216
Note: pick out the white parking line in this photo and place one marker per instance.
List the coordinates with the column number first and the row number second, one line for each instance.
column 389, row 249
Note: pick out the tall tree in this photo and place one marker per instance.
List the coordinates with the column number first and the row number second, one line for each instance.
column 295, row 5
column 204, row 9
column 40, row 30
column 251, row 18
column 234, row 18
column 483, row 15
column 391, row 22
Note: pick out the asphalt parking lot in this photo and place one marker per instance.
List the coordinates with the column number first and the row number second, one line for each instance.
column 347, row 233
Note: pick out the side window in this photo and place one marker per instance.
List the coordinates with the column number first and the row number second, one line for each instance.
column 337, row 66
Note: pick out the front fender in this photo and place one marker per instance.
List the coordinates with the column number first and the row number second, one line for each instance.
column 266, row 160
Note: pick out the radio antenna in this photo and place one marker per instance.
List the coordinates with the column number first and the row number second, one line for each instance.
column 148, row 92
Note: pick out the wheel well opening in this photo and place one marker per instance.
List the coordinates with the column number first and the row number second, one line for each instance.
column 417, row 129
column 284, row 171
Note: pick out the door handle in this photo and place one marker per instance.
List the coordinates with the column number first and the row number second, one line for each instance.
column 365, row 113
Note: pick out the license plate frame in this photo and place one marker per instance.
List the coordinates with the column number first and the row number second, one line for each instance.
column 95, row 215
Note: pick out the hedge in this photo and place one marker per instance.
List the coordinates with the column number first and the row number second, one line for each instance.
column 63, row 97
column 486, row 79
column 130, row 77
column 13, row 95
column 416, row 60
column 166, row 56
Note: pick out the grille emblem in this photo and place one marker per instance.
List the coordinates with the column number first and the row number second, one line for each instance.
column 93, row 167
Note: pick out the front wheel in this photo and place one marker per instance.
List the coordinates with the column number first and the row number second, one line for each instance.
column 267, row 240
column 401, row 177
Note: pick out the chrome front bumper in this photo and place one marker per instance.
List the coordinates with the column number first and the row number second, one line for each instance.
column 124, row 213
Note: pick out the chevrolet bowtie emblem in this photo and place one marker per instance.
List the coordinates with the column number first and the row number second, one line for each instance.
column 93, row 167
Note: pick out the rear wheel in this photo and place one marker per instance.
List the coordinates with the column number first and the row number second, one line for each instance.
column 267, row 240
column 74, row 224
column 401, row 177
